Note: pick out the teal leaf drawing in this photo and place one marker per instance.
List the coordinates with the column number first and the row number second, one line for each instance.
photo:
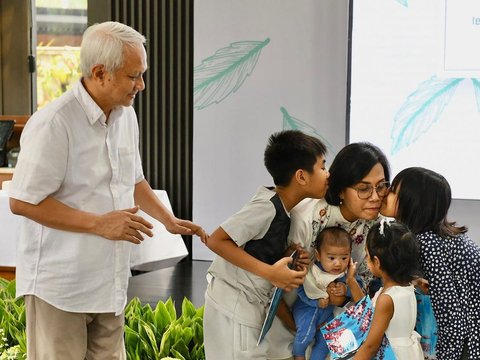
column 224, row 72
column 421, row 110
column 291, row 123
column 403, row 2
column 476, row 86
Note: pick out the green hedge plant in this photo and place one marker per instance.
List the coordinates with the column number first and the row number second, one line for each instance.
column 13, row 341
column 157, row 333
column 150, row 334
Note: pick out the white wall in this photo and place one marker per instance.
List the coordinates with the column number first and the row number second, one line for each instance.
column 467, row 212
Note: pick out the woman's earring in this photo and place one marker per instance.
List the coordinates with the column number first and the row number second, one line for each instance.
column 341, row 201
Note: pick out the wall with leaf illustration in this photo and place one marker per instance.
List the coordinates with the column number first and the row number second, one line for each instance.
column 415, row 90
column 414, row 77
column 262, row 66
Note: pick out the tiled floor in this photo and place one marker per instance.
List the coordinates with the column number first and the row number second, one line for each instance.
column 186, row 279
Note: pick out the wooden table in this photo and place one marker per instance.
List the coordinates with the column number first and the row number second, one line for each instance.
column 5, row 174
column 7, row 272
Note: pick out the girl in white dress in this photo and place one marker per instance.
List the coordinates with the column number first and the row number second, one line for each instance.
column 392, row 255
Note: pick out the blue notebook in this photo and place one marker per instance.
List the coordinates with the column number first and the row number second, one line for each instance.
column 274, row 303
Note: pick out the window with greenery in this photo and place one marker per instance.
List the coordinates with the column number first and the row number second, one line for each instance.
column 60, row 25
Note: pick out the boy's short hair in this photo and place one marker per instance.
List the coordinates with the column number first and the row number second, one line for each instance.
column 290, row 150
column 334, row 236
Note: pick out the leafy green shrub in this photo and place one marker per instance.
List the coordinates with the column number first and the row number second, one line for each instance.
column 157, row 333
column 13, row 341
column 153, row 334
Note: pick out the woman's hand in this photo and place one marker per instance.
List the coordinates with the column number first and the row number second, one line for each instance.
column 421, row 284
column 303, row 259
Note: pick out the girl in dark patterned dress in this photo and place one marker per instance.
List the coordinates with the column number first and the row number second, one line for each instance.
column 450, row 260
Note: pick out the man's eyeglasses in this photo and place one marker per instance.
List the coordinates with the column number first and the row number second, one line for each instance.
column 364, row 191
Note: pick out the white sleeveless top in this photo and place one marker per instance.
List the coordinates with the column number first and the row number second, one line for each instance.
column 404, row 340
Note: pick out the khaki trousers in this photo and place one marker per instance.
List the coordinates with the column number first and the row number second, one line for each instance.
column 55, row 334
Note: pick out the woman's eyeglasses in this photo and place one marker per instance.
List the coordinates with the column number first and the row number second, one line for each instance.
column 364, row 191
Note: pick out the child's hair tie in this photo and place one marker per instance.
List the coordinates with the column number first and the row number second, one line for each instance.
column 382, row 225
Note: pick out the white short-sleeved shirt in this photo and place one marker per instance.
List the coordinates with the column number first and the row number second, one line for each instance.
column 405, row 341
column 238, row 293
column 70, row 153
